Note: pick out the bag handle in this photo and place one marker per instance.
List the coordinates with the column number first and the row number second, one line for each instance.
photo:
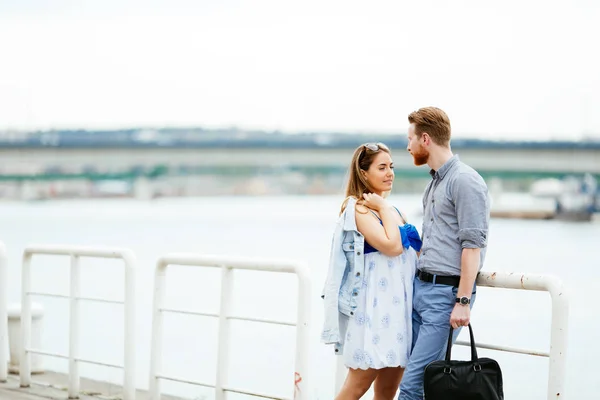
column 473, row 348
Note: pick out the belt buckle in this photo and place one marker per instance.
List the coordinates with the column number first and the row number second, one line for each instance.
column 426, row 277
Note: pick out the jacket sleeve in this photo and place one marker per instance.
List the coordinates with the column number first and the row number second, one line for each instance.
column 331, row 290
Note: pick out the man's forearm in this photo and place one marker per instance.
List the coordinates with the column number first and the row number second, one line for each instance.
column 469, row 267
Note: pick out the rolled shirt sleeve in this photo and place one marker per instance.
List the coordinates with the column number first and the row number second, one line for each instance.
column 472, row 210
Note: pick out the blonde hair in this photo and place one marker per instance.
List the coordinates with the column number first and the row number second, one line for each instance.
column 357, row 185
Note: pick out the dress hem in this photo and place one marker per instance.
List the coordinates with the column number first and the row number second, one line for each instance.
column 366, row 368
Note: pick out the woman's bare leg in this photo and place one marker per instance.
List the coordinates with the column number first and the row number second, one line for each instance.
column 387, row 382
column 357, row 382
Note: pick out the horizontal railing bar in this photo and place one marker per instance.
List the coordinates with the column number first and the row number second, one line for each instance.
column 46, row 353
column 519, row 281
column 63, row 296
column 81, row 251
column 233, row 317
column 255, row 394
column 100, row 300
column 505, row 348
column 188, row 312
column 266, row 321
column 244, row 263
column 57, row 295
column 180, row 380
column 105, row 364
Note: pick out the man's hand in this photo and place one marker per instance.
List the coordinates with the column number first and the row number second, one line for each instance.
column 461, row 316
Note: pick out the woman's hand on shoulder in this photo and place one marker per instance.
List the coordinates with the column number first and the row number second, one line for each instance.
column 374, row 201
column 374, row 233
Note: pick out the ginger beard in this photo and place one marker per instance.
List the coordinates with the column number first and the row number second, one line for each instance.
column 420, row 156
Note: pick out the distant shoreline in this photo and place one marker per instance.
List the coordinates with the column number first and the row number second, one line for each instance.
column 233, row 138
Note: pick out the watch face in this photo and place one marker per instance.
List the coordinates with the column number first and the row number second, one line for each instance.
column 464, row 300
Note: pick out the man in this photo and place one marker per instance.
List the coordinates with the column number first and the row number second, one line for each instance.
column 455, row 230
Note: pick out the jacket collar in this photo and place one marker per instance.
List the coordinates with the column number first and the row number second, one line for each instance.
column 350, row 215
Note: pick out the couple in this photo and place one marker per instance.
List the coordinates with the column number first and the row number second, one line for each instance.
column 391, row 298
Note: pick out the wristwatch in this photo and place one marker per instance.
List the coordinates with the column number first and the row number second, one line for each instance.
column 464, row 301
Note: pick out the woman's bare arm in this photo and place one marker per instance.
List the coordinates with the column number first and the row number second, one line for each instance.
column 385, row 238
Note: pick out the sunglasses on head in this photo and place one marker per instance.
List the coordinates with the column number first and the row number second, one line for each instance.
column 374, row 146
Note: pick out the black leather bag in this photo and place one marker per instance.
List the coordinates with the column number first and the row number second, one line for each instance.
column 478, row 379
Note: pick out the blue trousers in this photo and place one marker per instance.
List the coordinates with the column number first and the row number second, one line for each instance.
column 432, row 306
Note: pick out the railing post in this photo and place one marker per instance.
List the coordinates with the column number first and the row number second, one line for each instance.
column 157, row 331
column 25, row 362
column 223, row 334
column 129, row 324
column 301, row 388
column 74, row 329
column 3, row 315
column 558, row 339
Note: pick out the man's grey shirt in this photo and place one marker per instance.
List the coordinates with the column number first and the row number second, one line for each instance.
column 456, row 216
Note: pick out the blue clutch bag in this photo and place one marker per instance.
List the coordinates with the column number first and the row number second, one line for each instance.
column 410, row 237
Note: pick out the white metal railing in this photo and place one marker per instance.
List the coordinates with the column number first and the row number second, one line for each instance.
column 227, row 264
column 559, row 327
column 558, row 334
column 75, row 252
column 3, row 315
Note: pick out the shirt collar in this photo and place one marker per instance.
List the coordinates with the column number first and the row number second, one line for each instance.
column 440, row 173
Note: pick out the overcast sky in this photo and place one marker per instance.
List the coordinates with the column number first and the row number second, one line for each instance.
column 514, row 69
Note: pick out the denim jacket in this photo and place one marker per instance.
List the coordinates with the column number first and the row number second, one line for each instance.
column 346, row 271
column 344, row 277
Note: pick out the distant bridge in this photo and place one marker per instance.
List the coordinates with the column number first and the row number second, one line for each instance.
column 56, row 162
column 108, row 155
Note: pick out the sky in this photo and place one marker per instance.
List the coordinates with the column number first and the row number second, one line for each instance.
column 516, row 69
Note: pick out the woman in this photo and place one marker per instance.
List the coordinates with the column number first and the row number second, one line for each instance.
column 368, row 292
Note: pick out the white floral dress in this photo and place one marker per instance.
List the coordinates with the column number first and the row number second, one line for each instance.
column 380, row 333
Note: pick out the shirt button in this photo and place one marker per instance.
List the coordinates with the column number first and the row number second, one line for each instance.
column 358, row 274
column 351, row 312
column 431, row 219
column 358, row 253
column 337, row 350
column 433, row 200
column 354, row 294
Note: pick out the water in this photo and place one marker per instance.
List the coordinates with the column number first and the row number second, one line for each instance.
column 300, row 228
